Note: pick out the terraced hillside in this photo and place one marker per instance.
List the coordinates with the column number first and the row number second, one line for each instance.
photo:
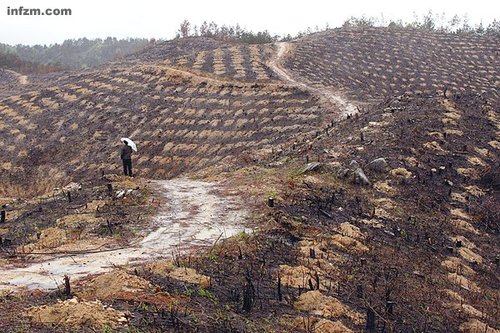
column 386, row 220
column 172, row 49
column 219, row 59
column 241, row 62
column 180, row 121
column 373, row 63
column 429, row 216
column 398, row 223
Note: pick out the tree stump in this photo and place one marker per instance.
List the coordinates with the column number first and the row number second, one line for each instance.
column 370, row 320
column 67, row 286
column 280, row 295
column 248, row 295
column 110, row 189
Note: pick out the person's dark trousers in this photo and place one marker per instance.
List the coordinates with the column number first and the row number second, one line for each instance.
column 127, row 167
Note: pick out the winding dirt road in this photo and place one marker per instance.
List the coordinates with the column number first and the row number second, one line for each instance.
column 326, row 95
column 193, row 216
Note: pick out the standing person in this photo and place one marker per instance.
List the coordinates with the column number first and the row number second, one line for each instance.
column 126, row 156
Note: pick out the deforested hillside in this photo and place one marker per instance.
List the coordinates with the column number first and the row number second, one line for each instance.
column 9, row 78
column 215, row 58
column 408, row 195
column 172, row 49
column 183, row 121
column 373, row 63
column 347, row 181
column 240, row 62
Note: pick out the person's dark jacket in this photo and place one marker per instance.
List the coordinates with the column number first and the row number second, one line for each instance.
column 126, row 153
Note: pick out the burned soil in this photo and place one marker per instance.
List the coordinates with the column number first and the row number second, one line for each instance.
column 385, row 220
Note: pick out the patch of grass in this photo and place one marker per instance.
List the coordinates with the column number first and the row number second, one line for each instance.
column 107, row 329
column 271, row 194
column 207, row 294
column 241, row 236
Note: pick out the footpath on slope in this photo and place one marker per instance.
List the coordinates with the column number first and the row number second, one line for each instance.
column 193, row 215
column 325, row 94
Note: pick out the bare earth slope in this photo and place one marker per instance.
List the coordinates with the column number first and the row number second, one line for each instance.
column 394, row 228
column 425, row 233
column 180, row 120
column 372, row 63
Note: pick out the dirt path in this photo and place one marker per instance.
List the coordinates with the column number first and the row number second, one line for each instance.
column 326, row 95
column 193, row 215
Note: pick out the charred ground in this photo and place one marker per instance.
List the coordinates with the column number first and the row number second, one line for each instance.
column 413, row 245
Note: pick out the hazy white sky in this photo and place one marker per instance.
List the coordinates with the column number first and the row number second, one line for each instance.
column 160, row 19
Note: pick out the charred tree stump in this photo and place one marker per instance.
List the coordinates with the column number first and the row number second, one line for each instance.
column 240, row 253
column 280, row 295
column 270, row 202
column 2, row 216
column 248, row 295
column 312, row 253
column 370, row 320
column 362, row 261
column 359, row 291
column 69, row 196
column 389, row 305
column 109, row 226
column 110, row 189
column 67, row 286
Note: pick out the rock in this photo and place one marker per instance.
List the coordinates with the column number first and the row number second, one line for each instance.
column 342, row 173
column 378, row 165
column 354, row 165
column 389, row 233
column 360, row 177
column 120, row 194
column 72, row 187
column 312, row 180
column 311, row 167
column 354, row 170
column 276, row 164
